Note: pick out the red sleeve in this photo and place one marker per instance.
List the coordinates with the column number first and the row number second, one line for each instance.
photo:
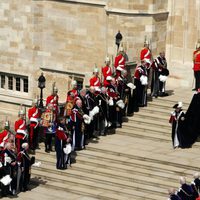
column 171, row 119
column 137, row 74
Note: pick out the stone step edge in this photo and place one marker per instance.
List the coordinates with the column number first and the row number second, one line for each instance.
column 88, row 185
column 151, row 160
column 122, row 177
column 51, row 185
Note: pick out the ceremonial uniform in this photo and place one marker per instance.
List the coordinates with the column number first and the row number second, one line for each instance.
column 70, row 101
column 26, row 162
column 21, row 133
column 119, row 64
column 145, row 55
column 34, row 115
column 141, row 81
column 115, row 114
column 196, row 187
column 186, row 192
column 49, row 124
column 106, row 71
column 4, row 137
column 196, row 68
column 124, row 91
column 176, row 119
column 61, row 140
column 102, row 100
column 95, row 82
column 90, row 105
column 174, row 197
column 53, row 99
column 77, row 124
column 11, row 166
column 160, row 73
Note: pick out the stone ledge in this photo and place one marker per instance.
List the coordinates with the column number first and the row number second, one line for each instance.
column 133, row 12
column 17, row 100
column 87, row 2
column 72, row 73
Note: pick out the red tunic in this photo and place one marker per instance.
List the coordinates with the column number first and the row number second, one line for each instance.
column 139, row 72
column 196, row 59
column 71, row 95
column 106, row 71
column 53, row 100
column 20, row 129
column 95, row 81
column 4, row 136
column 119, row 62
column 60, row 133
column 33, row 115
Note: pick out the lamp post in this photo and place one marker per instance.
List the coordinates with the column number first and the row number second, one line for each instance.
column 41, row 85
column 118, row 39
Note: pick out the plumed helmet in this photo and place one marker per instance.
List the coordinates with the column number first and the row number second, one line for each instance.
column 96, row 70
column 198, row 44
column 21, row 112
column 74, row 83
column 107, row 59
column 55, row 89
column 121, row 49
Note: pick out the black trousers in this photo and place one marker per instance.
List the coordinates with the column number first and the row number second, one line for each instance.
column 197, row 79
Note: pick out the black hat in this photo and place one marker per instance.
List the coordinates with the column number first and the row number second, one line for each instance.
column 178, row 105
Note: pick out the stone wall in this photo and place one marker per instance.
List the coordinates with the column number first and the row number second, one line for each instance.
column 182, row 35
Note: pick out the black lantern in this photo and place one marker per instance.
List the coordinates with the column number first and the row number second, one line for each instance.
column 41, row 85
column 118, row 39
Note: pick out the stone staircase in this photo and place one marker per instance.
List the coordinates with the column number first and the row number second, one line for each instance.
column 137, row 162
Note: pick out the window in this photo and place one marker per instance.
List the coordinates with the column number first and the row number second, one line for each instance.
column 18, row 88
column 13, row 82
column 79, row 84
column 3, row 81
column 10, row 82
column 25, row 85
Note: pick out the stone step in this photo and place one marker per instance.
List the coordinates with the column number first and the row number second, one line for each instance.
column 159, row 110
column 149, row 123
column 144, row 128
column 162, row 137
column 151, row 116
column 127, row 162
column 103, row 188
column 141, row 160
column 88, row 166
column 165, row 104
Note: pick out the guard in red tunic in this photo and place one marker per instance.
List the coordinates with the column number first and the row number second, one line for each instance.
column 34, row 115
column 53, row 99
column 5, row 134
column 21, row 130
column 106, row 71
column 146, row 55
column 196, row 68
column 71, row 97
column 120, row 62
column 95, row 81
